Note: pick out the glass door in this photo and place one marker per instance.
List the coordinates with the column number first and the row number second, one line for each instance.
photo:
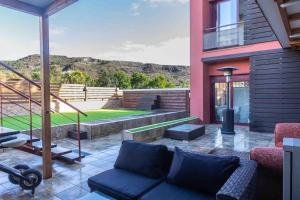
column 241, row 102
column 239, row 91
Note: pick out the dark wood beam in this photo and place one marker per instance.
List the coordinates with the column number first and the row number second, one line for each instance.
column 21, row 6
column 58, row 5
column 284, row 17
column 295, row 30
column 295, row 43
column 46, row 118
column 295, row 16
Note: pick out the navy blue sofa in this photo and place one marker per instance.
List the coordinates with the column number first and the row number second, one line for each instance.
column 135, row 183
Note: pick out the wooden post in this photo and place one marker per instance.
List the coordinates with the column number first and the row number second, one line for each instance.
column 46, row 120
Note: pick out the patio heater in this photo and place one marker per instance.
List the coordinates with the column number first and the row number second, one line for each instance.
column 228, row 112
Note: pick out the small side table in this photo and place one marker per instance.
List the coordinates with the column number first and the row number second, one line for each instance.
column 185, row 132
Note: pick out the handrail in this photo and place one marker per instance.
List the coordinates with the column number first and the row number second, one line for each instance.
column 30, row 99
column 217, row 27
column 19, row 93
column 12, row 123
column 9, row 116
column 35, row 113
column 38, row 86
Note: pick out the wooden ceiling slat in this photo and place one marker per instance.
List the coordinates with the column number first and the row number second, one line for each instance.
column 295, row 16
column 58, row 5
column 296, row 30
column 21, row 6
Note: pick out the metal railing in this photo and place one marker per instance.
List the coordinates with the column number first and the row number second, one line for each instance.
column 223, row 36
column 31, row 100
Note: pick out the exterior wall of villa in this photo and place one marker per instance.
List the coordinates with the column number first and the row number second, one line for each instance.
column 259, row 40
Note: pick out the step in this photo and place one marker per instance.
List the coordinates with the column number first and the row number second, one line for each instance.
column 71, row 157
column 27, row 137
column 7, row 132
column 58, row 151
column 38, row 145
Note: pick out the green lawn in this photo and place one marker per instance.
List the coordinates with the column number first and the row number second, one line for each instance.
column 21, row 122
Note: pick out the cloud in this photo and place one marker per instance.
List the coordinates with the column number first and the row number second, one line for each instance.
column 173, row 52
column 54, row 31
column 135, row 9
column 168, row 1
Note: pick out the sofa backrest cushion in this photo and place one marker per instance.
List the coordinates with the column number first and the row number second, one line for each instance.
column 202, row 172
column 145, row 159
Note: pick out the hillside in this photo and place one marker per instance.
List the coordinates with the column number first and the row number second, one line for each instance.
column 178, row 74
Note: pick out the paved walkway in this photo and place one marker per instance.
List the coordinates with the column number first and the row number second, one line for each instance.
column 69, row 182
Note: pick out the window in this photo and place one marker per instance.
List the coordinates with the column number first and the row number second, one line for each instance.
column 226, row 12
column 227, row 28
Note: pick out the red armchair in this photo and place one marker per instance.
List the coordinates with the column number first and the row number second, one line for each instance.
column 270, row 162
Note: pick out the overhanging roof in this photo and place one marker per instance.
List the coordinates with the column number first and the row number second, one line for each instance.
column 284, row 18
column 37, row 7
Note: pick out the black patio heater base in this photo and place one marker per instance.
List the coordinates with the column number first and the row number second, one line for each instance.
column 228, row 122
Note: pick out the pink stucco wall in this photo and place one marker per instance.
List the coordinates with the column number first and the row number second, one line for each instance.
column 200, row 72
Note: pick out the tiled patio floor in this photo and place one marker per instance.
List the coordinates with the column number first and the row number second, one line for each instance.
column 69, row 182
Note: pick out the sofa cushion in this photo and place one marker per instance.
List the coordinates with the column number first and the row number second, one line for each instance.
column 203, row 172
column 270, row 158
column 168, row 191
column 122, row 184
column 145, row 159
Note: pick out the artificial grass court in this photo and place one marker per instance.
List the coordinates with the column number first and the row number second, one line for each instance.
column 22, row 122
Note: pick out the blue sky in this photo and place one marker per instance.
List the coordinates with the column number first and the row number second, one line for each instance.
column 136, row 30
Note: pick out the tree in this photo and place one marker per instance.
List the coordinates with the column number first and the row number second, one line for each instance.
column 122, row 80
column 36, row 75
column 139, row 80
column 75, row 77
column 105, row 79
column 160, row 81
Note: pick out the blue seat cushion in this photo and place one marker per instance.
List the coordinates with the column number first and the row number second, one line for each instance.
column 121, row 184
column 166, row 191
column 202, row 172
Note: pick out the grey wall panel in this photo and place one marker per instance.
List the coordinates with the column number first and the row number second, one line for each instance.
column 274, row 89
column 257, row 29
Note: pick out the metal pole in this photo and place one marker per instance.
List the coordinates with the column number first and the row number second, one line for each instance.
column 1, row 106
column 78, row 135
column 228, row 95
column 30, row 113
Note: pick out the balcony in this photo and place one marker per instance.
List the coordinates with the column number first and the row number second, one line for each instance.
column 224, row 36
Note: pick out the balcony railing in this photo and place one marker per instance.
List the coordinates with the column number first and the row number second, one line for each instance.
column 224, row 36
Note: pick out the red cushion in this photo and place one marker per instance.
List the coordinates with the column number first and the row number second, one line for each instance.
column 268, row 157
column 286, row 130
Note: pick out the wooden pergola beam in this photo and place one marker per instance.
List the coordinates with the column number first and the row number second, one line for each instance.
column 21, row 6
column 46, row 119
column 43, row 13
column 58, row 5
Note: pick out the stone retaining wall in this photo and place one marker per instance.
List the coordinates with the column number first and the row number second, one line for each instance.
column 109, row 127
